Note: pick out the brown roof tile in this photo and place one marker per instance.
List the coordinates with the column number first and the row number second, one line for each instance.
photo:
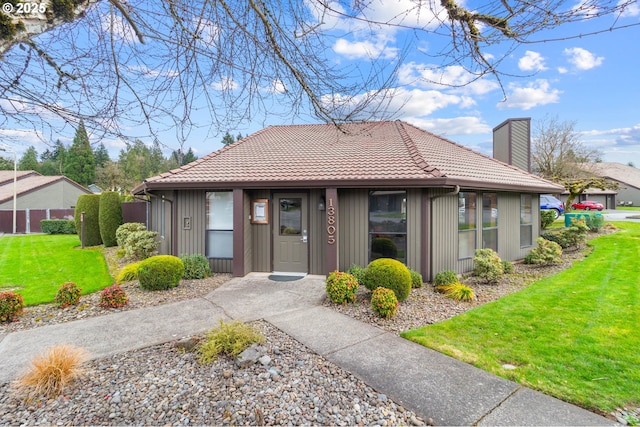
column 371, row 153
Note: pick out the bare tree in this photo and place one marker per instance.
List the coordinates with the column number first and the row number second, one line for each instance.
column 558, row 152
column 117, row 64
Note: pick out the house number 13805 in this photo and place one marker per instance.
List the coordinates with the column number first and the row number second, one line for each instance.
column 331, row 223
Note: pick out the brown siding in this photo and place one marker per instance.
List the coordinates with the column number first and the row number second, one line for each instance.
column 353, row 220
column 261, row 236
column 191, row 222
column 161, row 214
column 248, row 249
column 414, row 229
column 221, row 265
column 317, row 234
column 134, row 212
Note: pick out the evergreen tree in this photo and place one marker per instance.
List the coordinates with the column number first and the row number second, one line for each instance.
column 80, row 163
column 101, row 155
column 239, row 136
column 6, row 164
column 29, row 160
column 227, row 139
column 53, row 160
column 189, row 157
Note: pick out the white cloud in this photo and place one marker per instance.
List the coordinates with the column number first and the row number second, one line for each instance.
column 277, row 86
column 453, row 78
column 562, row 70
column 118, row 27
column 532, row 95
column 225, row 84
column 631, row 9
column 365, row 49
column 464, row 125
column 148, row 72
column 531, row 61
column 582, row 59
column 586, row 8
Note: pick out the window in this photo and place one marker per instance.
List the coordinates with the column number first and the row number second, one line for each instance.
column 466, row 224
column 290, row 217
column 219, row 227
column 388, row 225
column 490, row 221
column 526, row 221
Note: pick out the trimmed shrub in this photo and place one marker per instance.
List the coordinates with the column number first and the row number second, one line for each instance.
column 384, row 302
column 230, row 338
column 487, row 265
column 445, row 277
column 196, row 266
column 388, row 273
column 576, row 235
column 547, row 217
column 127, row 228
column 342, row 287
column 383, row 247
column 160, row 272
column 58, row 226
column 507, row 266
column 90, row 205
column 50, row 373
column 416, row 279
column 113, row 297
column 110, row 217
column 458, row 292
column 11, row 306
column 141, row 244
column 68, row 294
column 558, row 237
column 545, row 253
column 128, row 273
column 356, row 271
column 595, row 222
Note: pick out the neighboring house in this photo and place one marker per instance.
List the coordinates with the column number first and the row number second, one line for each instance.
column 315, row 198
column 627, row 176
column 606, row 197
column 35, row 193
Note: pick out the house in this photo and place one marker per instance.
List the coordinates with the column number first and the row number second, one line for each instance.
column 315, row 198
column 627, row 177
column 37, row 196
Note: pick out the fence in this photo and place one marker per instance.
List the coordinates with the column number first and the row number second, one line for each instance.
column 28, row 220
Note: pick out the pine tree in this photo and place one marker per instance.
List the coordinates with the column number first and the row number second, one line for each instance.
column 29, row 160
column 80, row 163
column 101, row 155
column 227, row 139
column 189, row 157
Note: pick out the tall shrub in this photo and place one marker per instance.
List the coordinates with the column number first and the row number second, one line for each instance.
column 90, row 205
column 110, row 217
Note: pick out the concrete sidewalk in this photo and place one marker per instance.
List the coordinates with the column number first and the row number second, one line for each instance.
column 424, row 381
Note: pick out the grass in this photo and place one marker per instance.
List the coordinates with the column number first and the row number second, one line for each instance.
column 35, row 266
column 572, row 335
column 628, row 208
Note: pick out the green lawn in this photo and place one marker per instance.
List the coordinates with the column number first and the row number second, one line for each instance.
column 36, row 265
column 573, row 335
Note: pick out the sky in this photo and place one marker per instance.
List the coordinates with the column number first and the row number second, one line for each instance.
column 591, row 81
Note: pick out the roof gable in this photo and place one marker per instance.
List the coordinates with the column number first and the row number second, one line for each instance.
column 30, row 181
column 358, row 154
column 617, row 171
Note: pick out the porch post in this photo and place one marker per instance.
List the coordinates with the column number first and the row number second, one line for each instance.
column 238, row 232
column 331, row 230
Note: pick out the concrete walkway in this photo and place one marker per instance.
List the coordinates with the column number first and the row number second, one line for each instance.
column 424, row 381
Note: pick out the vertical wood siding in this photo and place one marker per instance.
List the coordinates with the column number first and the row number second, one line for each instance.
column 317, row 234
column 353, row 226
column 501, row 144
column 521, row 146
column 414, row 228
column 509, row 226
column 191, row 206
column 248, row 238
column 261, row 236
column 161, row 220
column 444, row 233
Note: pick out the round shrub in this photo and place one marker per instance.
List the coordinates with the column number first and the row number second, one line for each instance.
column 416, row 279
column 141, row 244
column 113, row 297
column 384, row 247
column 388, row 273
column 507, row 266
column 384, row 302
column 110, row 217
column 196, row 266
column 160, row 272
column 487, row 265
column 127, row 228
column 545, row 253
column 68, row 294
column 11, row 305
column 90, row 205
column 342, row 287
column 356, row 271
column 445, row 277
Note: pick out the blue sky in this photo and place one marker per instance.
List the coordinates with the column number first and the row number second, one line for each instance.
column 591, row 80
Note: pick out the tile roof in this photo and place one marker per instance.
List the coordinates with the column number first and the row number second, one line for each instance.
column 617, row 171
column 358, row 154
column 28, row 181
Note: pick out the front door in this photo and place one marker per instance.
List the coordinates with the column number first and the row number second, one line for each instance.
column 290, row 234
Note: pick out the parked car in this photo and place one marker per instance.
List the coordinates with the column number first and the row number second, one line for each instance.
column 588, row 205
column 548, row 202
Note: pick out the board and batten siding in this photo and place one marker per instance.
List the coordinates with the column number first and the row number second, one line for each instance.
column 248, row 248
column 317, row 233
column 521, row 146
column 414, row 229
column 161, row 220
column 509, row 226
column 444, row 233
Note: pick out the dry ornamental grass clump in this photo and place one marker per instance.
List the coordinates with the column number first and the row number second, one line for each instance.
column 51, row 372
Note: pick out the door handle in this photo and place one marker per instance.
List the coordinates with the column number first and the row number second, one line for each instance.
column 304, row 236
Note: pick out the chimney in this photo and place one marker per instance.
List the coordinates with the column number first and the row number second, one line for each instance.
column 512, row 142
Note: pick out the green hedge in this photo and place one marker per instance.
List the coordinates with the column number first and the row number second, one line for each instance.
column 90, row 205
column 58, row 226
column 110, row 217
column 160, row 272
